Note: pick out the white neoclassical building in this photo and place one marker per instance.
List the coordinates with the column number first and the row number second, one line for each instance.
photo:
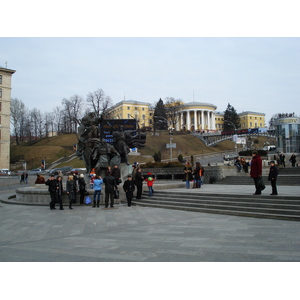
column 196, row 116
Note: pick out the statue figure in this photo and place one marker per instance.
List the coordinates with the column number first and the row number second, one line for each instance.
column 97, row 152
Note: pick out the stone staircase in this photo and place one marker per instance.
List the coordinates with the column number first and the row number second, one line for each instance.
column 281, row 207
column 286, row 177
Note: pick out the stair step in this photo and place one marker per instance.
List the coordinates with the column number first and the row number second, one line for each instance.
column 283, row 207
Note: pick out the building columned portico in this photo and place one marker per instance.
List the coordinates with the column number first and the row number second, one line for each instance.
column 196, row 116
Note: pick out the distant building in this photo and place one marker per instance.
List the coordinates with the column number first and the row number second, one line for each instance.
column 128, row 109
column 192, row 116
column 5, row 99
column 251, row 119
column 287, row 132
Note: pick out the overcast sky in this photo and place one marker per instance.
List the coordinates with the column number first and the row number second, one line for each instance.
column 251, row 73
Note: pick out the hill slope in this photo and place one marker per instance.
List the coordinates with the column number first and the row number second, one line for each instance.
column 56, row 147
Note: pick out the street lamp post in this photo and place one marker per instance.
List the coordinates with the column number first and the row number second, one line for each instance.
column 170, row 133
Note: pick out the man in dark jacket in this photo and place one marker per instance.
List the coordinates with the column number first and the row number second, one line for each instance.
column 52, row 184
column 139, row 182
column 128, row 187
column 273, row 173
column 110, row 186
column 256, row 170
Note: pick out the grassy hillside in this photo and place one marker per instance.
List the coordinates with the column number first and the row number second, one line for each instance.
column 56, row 147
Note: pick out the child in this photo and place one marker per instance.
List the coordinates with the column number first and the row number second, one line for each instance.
column 150, row 180
column 272, row 177
column 128, row 187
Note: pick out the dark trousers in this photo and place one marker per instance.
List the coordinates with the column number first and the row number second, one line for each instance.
column 257, row 191
column 81, row 196
column 53, row 199
column 59, row 200
column 274, row 187
column 129, row 196
column 108, row 195
column 139, row 189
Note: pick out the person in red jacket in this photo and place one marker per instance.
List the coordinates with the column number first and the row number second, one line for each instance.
column 256, row 170
column 150, row 180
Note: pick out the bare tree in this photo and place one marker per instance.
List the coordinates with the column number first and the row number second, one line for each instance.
column 172, row 107
column 36, row 120
column 17, row 114
column 73, row 108
column 99, row 102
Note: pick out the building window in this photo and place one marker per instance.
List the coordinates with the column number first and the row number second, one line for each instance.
column 250, row 124
column 143, row 108
column 0, row 79
column 0, row 93
column 128, row 116
column 128, row 107
column 0, row 106
column 143, row 117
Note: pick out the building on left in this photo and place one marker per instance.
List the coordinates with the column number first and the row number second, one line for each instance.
column 5, row 99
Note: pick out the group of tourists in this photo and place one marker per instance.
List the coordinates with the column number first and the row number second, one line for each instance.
column 193, row 175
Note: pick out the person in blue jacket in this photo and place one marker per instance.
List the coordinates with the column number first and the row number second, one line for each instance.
column 97, row 190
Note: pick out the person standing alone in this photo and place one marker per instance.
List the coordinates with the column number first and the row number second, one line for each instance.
column 273, row 173
column 128, row 187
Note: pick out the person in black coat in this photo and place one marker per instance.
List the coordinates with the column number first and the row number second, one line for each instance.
column 273, row 173
column 110, row 186
column 139, row 183
column 52, row 188
column 128, row 188
column 117, row 174
column 82, row 185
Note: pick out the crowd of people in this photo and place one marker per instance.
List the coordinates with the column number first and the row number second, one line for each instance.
column 193, row 177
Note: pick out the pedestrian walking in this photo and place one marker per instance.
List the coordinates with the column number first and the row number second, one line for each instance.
column 128, row 188
column 97, row 190
column 273, row 173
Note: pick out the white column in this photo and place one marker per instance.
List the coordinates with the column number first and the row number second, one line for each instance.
column 213, row 121
column 177, row 121
column 202, row 119
column 188, row 120
column 195, row 120
column 208, row 120
column 181, row 120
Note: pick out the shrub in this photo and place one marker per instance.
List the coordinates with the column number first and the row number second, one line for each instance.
column 157, row 156
column 180, row 158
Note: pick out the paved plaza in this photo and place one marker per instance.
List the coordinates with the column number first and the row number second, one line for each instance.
column 143, row 234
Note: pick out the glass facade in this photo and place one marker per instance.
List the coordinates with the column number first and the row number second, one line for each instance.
column 288, row 134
